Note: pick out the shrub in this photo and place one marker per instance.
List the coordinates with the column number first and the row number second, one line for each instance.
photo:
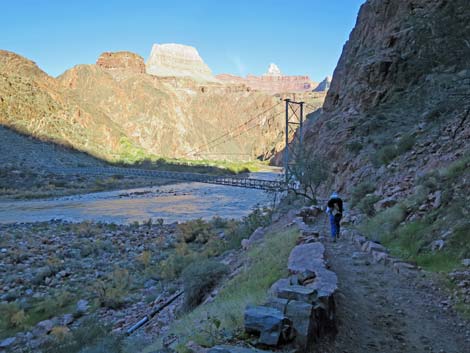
column 405, row 143
column 366, row 205
column 196, row 230
column 360, row 191
column 111, row 293
column 199, row 279
column 385, row 155
column 12, row 316
column 354, row 147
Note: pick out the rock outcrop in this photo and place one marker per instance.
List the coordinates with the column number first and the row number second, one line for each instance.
column 176, row 60
column 122, row 60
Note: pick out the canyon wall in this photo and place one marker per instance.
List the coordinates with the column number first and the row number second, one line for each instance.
column 403, row 76
column 272, row 82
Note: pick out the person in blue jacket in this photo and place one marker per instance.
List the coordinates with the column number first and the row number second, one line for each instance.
column 335, row 210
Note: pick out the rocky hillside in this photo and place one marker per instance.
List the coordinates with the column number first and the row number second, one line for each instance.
column 396, row 122
column 123, row 109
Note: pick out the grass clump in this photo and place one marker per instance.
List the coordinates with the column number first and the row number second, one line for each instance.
column 199, row 280
column 360, row 191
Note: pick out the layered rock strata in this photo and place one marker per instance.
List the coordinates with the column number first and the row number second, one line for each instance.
column 176, row 60
column 122, row 60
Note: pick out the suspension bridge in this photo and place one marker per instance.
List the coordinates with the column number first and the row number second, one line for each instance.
column 294, row 120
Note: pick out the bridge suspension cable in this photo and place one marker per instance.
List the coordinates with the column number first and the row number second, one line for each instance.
column 229, row 133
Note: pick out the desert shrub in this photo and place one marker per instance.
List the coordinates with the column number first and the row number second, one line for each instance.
column 196, row 230
column 12, row 316
column 383, row 224
column 199, row 279
column 384, row 155
column 354, row 147
column 366, row 205
column 405, row 144
column 145, row 258
column 360, row 191
column 111, row 293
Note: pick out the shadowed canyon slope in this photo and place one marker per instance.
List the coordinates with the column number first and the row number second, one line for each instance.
column 123, row 109
column 403, row 75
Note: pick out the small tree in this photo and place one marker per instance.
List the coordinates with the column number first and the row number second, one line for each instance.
column 310, row 170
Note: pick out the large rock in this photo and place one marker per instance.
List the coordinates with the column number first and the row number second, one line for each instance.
column 303, row 321
column 122, row 60
column 177, row 60
column 307, row 261
column 272, row 326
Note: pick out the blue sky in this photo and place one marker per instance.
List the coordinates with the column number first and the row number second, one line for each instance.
column 232, row 36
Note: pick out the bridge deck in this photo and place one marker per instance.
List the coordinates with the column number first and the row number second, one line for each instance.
column 269, row 185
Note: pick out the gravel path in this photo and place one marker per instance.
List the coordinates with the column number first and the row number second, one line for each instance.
column 379, row 310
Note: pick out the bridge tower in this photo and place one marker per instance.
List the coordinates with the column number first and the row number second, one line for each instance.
column 294, row 127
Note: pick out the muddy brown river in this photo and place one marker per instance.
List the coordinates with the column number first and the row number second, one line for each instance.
column 175, row 202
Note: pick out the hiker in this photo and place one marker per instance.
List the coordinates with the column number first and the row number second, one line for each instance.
column 335, row 210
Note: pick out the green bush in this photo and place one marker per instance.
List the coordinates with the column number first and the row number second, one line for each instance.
column 405, row 144
column 366, row 205
column 360, row 191
column 196, row 230
column 385, row 155
column 354, row 147
column 199, row 279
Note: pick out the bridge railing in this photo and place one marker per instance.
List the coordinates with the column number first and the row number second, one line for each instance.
column 251, row 183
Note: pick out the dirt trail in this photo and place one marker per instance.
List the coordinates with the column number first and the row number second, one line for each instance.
column 379, row 310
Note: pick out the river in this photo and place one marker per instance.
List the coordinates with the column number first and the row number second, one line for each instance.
column 174, row 202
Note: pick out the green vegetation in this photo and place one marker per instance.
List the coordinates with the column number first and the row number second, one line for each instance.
column 412, row 239
column 16, row 317
column 199, row 279
column 198, row 240
column 389, row 152
column 360, row 191
column 224, row 316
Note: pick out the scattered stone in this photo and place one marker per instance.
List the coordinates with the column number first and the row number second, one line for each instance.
column 257, row 235
column 370, row 246
column 43, row 328
column 82, row 306
column 245, row 244
column 7, row 342
column 437, row 245
column 466, row 262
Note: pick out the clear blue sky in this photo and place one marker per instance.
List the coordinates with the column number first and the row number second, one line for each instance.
column 232, row 36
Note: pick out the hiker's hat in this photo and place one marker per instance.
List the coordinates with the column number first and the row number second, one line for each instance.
column 334, row 196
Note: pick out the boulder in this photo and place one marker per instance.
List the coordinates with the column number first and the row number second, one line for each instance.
column 380, row 257
column 370, row 246
column 466, row 262
column 303, row 321
column 271, row 325
column 297, row 292
column 257, row 235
